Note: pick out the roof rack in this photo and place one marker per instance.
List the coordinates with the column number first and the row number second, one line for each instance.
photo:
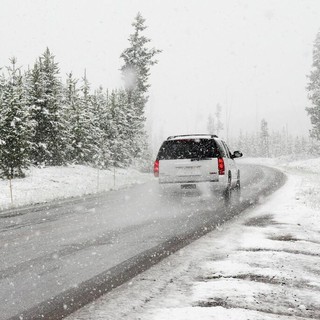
column 197, row 134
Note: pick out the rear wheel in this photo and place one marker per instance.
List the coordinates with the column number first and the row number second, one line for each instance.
column 237, row 193
column 227, row 191
column 238, row 185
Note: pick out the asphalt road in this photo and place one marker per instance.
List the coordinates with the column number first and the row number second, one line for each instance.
column 55, row 259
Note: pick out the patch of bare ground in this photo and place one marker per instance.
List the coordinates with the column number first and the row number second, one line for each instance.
column 290, row 238
column 281, row 250
column 262, row 221
column 285, row 237
column 248, row 277
column 288, row 310
column 291, row 304
column 299, row 284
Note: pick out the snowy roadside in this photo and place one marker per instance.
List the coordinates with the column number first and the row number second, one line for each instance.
column 51, row 183
column 263, row 265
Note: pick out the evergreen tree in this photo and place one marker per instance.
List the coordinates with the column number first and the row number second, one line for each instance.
column 100, row 127
column 314, row 90
column 90, row 125
column 119, row 132
column 264, row 138
column 50, row 138
column 277, row 147
column 79, row 113
column 211, row 124
column 219, row 124
column 138, row 59
column 289, row 144
column 241, row 142
column 298, row 147
column 71, row 100
column 15, row 127
column 304, row 145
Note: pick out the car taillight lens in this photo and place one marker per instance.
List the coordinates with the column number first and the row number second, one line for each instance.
column 221, row 166
column 156, row 168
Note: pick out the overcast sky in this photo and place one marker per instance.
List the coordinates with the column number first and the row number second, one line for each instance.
column 252, row 57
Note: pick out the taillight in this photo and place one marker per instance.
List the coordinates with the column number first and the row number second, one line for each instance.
column 221, row 166
column 156, row 168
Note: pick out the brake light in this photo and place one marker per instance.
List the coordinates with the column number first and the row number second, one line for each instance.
column 156, row 168
column 221, row 166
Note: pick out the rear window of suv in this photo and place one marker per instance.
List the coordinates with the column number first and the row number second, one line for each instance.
column 188, row 149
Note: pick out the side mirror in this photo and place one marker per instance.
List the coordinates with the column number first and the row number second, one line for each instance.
column 237, row 154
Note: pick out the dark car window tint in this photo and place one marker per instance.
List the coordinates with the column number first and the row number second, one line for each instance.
column 221, row 149
column 188, row 149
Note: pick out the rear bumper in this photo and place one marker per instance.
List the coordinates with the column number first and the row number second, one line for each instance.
column 178, row 180
column 187, row 179
column 200, row 185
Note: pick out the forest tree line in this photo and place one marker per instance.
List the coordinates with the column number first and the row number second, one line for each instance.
column 273, row 144
column 45, row 121
column 263, row 143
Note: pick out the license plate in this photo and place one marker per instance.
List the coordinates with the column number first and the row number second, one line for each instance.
column 188, row 186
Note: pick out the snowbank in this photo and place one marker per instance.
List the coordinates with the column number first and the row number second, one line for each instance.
column 47, row 184
column 306, row 162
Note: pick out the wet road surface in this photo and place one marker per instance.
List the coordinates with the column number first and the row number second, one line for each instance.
column 56, row 259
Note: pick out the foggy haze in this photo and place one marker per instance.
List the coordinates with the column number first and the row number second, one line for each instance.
column 252, row 57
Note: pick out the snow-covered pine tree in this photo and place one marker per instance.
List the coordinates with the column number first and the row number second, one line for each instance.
column 79, row 116
column 276, row 146
column 47, row 111
column 314, row 90
column 264, row 138
column 250, row 144
column 219, row 124
column 211, row 124
column 287, row 145
column 241, row 142
column 35, row 105
column 15, row 125
column 71, row 101
column 298, row 146
column 255, row 140
column 118, row 129
column 100, row 128
column 304, row 145
column 91, row 126
column 138, row 59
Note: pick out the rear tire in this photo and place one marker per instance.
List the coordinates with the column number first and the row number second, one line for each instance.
column 238, row 185
column 228, row 190
column 237, row 193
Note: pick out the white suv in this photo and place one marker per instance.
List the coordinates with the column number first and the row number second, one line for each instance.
column 187, row 161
